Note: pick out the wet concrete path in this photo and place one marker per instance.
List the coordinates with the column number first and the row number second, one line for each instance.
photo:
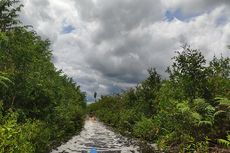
column 97, row 135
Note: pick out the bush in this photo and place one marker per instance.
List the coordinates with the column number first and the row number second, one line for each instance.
column 180, row 114
column 41, row 105
column 145, row 129
column 15, row 138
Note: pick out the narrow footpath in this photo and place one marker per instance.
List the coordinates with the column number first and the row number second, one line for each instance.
column 97, row 135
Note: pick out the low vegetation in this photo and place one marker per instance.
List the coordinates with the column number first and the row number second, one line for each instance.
column 189, row 112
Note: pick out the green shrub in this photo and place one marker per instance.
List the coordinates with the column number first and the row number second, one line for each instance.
column 15, row 138
column 181, row 114
column 127, row 119
column 145, row 129
column 49, row 104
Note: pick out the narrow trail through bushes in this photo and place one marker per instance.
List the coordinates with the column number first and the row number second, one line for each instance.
column 96, row 134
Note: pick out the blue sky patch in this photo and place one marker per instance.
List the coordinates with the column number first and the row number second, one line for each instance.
column 222, row 20
column 67, row 29
column 171, row 14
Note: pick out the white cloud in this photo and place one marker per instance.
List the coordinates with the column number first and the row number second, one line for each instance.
column 112, row 43
column 194, row 6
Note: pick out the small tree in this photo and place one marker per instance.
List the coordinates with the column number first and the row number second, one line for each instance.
column 189, row 72
column 147, row 92
column 219, row 76
column 220, row 67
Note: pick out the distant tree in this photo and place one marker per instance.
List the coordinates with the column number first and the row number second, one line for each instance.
column 220, row 67
column 95, row 95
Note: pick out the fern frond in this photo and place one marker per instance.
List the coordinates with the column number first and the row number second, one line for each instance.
column 224, row 142
column 3, row 83
column 220, row 112
column 183, row 107
column 205, row 123
column 225, row 101
column 196, row 116
column 4, row 80
column 228, row 137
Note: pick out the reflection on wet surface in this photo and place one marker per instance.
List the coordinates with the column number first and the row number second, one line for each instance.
column 97, row 135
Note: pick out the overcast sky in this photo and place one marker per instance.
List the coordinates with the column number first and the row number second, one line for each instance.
column 107, row 45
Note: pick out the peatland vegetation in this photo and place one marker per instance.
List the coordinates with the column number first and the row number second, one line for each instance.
column 188, row 112
column 39, row 105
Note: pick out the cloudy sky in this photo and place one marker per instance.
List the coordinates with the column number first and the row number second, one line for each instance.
column 107, row 45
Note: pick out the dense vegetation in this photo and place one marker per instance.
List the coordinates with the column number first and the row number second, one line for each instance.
column 39, row 105
column 189, row 112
